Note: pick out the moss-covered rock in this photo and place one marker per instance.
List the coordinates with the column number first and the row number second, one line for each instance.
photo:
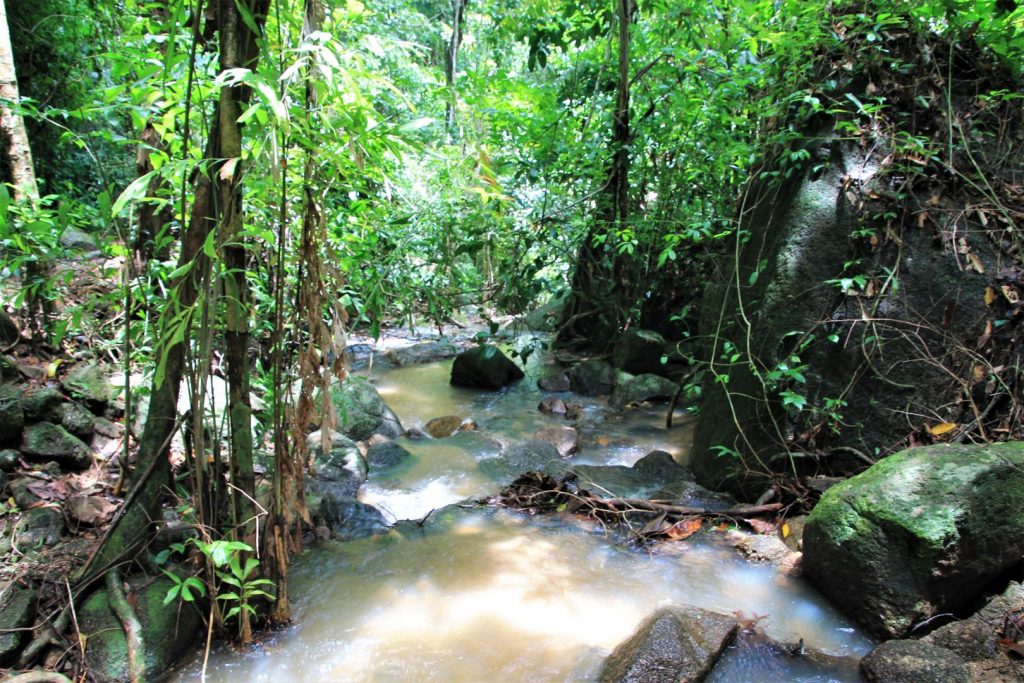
column 8, row 460
column 12, row 415
column 362, row 412
column 77, row 419
column 484, row 367
column 919, row 533
column 630, row 389
column 592, row 378
column 17, row 609
column 88, row 382
column 167, row 631
column 47, row 441
column 43, row 403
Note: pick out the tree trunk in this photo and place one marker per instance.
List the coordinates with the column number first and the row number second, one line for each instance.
column 599, row 305
column 451, row 60
column 12, row 125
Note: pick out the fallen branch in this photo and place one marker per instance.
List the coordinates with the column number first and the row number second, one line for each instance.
column 533, row 491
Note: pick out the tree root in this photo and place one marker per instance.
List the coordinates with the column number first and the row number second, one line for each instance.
column 49, row 634
column 132, row 628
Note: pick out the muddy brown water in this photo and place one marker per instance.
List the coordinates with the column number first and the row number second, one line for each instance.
column 493, row 595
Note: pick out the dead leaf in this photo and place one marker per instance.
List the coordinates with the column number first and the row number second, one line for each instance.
column 48, row 490
column 983, row 218
column 921, row 218
column 785, row 530
column 1011, row 645
column 941, row 428
column 1010, row 293
column 990, row 295
column 975, row 262
column 684, row 528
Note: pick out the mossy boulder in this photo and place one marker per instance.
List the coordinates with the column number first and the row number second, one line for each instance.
column 44, row 403
column 639, row 351
column 12, row 415
column 362, row 412
column 484, row 367
column 919, row 533
column 88, row 382
column 77, row 419
column 8, row 460
column 167, row 631
column 47, row 441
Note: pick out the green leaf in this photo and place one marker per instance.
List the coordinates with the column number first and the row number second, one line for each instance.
column 416, row 124
column 136, row 190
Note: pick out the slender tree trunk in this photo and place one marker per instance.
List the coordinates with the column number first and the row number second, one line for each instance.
column 451, row 61
column 599, row 303
column 12, row 125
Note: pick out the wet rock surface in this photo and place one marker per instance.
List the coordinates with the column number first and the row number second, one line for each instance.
column 385, row 455
column 639, row 351
column 677, row 643
column 636, row 389
column 912, row 661
column 362, row 412
column 350, row 519
column 592, row 378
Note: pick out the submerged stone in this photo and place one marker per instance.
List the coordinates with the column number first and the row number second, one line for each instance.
column 385, row 455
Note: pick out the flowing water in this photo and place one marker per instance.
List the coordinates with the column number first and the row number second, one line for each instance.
column 494, row 595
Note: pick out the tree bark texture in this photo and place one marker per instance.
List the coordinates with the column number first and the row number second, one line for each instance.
column 12, row 125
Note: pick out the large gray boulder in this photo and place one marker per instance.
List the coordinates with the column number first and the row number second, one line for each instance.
column 484, row 367
column 423, row 352
column 168, row 631
column 639, row 351
column 919, row 533
column 790, row 292
column 676, row 643
column 47, row 441
column 362, row 412
column 340, row 470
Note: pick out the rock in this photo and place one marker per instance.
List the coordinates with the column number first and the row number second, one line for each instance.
column 39, row 527
column 168, row 631
column 358, row 356
column 592, row 378
column 911, row 661
column 556, row 406
column 921, row 532
column 349, row 519
column 384, row 455
column 423, row 352
column 80, row 241
column 677, row 643
column 565, row 439
column 47, row 441
column 754, row 656
column 795, row 235
column 17, row 610
column 12, row 415
column 23, row 496
column 639, row 351
column 341, row 470
column 767, row 548
column 648, row 387
column 9, row 334
column 661, row 466
column 556, row 382
column 90, row 510
column 362, row 412
column 88, row 382
column 43, row 403
column 9, row 460
column 484, row 367
column 974, row 638
column 77, row 419
column 527, row 456
column 440, row 427
column 794, row 540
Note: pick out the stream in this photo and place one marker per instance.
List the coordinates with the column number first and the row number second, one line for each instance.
column 496, row 595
